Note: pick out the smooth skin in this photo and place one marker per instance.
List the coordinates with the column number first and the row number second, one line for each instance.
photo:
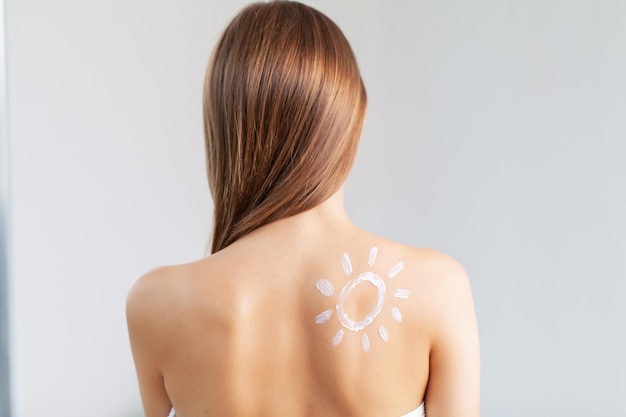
column 234, row 334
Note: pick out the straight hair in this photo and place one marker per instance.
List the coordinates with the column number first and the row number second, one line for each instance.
column 284, row 105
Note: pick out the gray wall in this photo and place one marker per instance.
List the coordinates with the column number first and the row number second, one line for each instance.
column 496, row 132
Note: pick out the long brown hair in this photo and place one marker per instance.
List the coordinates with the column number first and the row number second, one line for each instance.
column 283, row 105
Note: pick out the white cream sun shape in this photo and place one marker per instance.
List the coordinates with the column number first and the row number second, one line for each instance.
column 326, row 288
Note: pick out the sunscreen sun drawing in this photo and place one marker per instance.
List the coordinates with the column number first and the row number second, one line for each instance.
column 326, row 288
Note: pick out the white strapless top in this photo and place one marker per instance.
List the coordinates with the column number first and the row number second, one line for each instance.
column 418, row 412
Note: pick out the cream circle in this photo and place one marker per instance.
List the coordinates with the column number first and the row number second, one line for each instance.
column 377, row 282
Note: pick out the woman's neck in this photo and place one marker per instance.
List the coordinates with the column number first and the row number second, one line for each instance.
column 328, row 217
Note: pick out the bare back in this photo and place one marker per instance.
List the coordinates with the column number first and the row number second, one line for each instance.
column 295, row 321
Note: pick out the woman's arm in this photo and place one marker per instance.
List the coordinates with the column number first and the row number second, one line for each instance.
column 454, row 382
column 146, row 331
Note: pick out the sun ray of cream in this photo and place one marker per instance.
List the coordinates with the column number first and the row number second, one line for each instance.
column 337, row 338
column 383, row 333
column 366, row 343
column 372, row 257
column 325, row 287
column 397, row 268
column 401, row 293
column 323, row 317
column 397, row 316
column 346, row 264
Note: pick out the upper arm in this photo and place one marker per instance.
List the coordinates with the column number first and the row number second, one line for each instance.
column 454, row 381
column 146, row 333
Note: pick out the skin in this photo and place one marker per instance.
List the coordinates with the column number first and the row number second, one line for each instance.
column 234, row 334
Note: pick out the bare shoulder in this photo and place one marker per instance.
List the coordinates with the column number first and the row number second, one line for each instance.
column 154, row 312
column 430, row 272
column 439, row 284
column 447, row 309
column 429, row 267
column 442, row 277
column 151, row 289
column 159, row 306
column 164, row 295
column 151, row 300
column 439, row 269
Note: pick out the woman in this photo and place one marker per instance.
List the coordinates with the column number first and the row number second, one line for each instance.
column 298, row 312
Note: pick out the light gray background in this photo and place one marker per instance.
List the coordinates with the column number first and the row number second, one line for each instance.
column 496, row 132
